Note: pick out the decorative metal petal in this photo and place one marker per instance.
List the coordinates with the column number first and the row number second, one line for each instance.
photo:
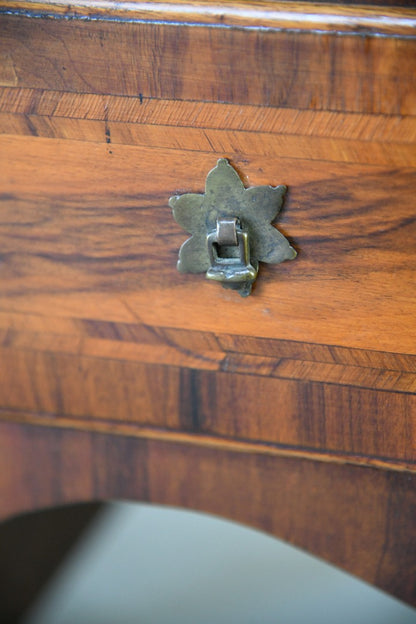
column 223, row 190
column 187, row 211
column 264, row 201
column 193, row 255
column 269, row 245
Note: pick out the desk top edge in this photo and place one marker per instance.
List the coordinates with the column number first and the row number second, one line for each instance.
column 354, row 19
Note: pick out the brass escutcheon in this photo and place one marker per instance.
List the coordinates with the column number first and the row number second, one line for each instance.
column 231, row 229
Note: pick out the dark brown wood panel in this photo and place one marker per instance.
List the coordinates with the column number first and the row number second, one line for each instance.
column 336, row 512
column 320, row 416
column 306, row 70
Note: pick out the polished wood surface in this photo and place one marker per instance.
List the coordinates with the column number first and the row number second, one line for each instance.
column 358, row 518
column 388, row 17
column 256, row 65
column 293, row 410
column 354, row 227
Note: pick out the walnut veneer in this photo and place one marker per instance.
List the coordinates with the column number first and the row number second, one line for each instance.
column 293, row 410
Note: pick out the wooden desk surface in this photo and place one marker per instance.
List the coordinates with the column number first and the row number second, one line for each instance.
column 293, row 410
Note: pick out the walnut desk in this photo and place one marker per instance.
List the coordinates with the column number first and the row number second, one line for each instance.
column 292, row 410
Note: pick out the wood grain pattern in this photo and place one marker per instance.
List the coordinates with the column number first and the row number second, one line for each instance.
column 262, row 13
column 338, row 418
column 339, row 73
column 336, row 512
column 104, row 218
column 190, row 126
column 293, row 410
column 136, row 343
column 70, row 335
column 95, row 370
column 43, row 106
column 196, row 440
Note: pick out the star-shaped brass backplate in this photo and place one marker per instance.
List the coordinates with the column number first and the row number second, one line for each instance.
column 227, row 204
